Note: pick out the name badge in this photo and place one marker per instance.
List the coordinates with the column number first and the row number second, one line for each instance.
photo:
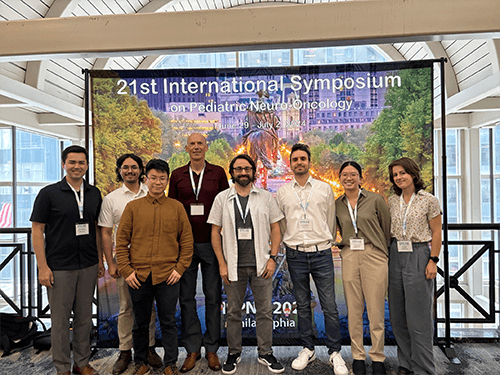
column 357, row 243
column 305, row 225
column 244, row 233
column 82, row 229
column 197, row 209
column 405, row 247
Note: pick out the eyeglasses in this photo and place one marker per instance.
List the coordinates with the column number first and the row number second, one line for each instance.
column 155, row 179
column 352, row 175
column 240, row 169
column 133, row 167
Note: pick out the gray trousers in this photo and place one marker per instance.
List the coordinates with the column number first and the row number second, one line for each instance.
column 262, row 295
column 72, row 291
column 411, row 298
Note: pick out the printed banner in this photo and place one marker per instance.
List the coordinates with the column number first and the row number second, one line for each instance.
column 372, row 113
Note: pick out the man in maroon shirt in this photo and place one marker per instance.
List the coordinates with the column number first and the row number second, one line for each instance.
column 195, row 185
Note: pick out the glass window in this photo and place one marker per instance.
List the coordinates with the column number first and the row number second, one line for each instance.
column 198, row 60
column 5, row 154
column 454, row 206
column 6, row 211
column 279, row 57
column 452, row 152
column 37, row 157
column 485, row 200
column 484, row 140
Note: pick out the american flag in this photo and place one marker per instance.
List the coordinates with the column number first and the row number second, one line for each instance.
column 6, row 215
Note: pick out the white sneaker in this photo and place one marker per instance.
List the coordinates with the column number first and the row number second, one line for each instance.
column 305, row 357
column 338, row 364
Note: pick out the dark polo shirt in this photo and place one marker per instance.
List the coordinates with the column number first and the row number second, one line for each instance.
column 214, row 181
column 56, row 207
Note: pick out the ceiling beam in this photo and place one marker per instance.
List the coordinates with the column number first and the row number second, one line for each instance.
column 483, row 105
column 436, row 50
column 339, row 23
column 37, row 98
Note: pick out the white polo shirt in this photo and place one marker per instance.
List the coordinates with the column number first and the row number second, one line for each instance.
column 114, row 203
column 264, row 210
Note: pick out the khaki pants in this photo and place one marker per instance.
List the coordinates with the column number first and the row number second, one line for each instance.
column 365, row 279
column 126, row 318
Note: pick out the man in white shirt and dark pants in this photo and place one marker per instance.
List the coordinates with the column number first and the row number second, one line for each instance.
column 308, row 233
column 248, row 218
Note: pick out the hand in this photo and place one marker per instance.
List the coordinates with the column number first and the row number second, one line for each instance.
column 224, row 273
column 113, row 270
column 431, row 270
column 270, row 267
column 46, row 277
column 173, row 278
column 132, row 281
column 102, row 270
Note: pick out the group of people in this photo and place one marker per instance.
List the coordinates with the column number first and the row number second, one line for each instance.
column 233, row 235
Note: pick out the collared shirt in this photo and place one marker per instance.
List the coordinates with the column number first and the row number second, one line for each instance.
column 180, row 188
column 265, row 212
column 321, row 212
column 160, row 239
column 56, row 207
column 373, row 220
column 424, row 208
column 114, row 203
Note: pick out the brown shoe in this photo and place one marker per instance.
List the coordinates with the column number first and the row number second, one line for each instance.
column 213, row 361
column 171, row 370
column 85, row 370
column 190, row 361
column 141, row 369
column 153, row 358
column 122, row 362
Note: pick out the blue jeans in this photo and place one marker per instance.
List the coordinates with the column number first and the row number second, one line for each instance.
column 320, row 266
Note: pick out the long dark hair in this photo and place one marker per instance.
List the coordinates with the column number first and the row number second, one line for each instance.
column 352, row 164
column 119, row 163
column 412, row 169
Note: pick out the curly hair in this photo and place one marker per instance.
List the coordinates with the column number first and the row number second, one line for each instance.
column 119, row 163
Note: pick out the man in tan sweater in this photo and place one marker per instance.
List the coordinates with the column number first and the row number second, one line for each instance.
column 154, row 246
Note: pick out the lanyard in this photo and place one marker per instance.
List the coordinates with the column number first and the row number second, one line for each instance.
column 401, row 204
column 79, row 199
column 354, row 215
column 196, row 190
column 308, row 200
column 238, row 203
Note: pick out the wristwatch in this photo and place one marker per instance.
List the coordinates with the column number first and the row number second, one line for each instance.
column 434, row 259
column 273, row 257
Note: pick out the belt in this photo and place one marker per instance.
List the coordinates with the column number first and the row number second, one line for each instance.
column 312, row 248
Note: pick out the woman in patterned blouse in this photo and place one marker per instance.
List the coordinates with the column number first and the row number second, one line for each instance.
column 415, row 221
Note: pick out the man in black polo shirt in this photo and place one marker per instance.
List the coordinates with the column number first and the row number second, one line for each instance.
column 195, row 185
column 65, row 241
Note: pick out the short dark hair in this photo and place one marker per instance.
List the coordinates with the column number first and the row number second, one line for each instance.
column 247, row 158
column 158, row 165
column 301, row 147
column 119, row 163
column 352, row 164
column 412, row 169
column 74, row 149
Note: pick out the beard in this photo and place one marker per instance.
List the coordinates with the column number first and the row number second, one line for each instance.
column 243, row 181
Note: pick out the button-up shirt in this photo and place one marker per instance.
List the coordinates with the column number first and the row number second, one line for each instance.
column 424, row 207
column 154, row 236
column 373, row 220
column 264, row 211
column 320, row 211
column 180, row 188
column 114, row 203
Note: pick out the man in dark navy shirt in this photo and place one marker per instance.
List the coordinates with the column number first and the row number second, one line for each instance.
column 65, row 240
column 196, row 185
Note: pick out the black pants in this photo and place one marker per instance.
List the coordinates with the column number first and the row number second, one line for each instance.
column 203, row 256
column 166, row 300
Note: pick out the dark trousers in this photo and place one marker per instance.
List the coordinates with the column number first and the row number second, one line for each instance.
column 142, row 302
column 192, row 338
column 319, row 265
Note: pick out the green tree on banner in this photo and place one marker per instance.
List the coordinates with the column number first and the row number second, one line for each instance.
column 404, row 127
column 122, row 124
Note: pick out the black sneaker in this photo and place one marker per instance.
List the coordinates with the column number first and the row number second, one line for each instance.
column 272, row 363
column 378, row 368
column 230, row 364
column 358, row 367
